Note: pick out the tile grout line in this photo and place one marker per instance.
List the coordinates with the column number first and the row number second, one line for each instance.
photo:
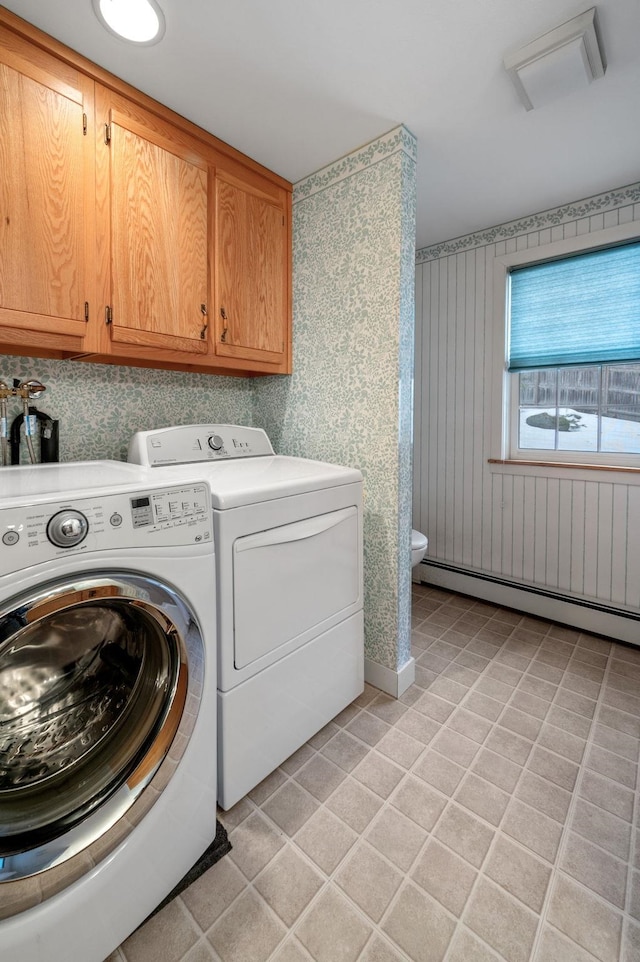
column 581, row 764
column 566, row 828
column 634, row 844
column 329, row 878
column 575, row 650
column 387, row 803
column 565, row 825
column 600, row 704
column 250, row 883
column 458, row 920
column 495, row 828
column 498, row 832
column 626, row 915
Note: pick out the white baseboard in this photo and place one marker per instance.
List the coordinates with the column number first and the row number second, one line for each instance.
column 394, row 683
column 583, row 615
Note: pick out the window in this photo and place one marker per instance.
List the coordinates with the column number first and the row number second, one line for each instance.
column 572, row 351
column 593, row 409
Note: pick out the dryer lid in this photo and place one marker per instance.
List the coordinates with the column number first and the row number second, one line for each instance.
column 243, row 470
column 262, row 479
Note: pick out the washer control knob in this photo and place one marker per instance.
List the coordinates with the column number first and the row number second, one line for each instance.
column 215, row 442
column 67, row 528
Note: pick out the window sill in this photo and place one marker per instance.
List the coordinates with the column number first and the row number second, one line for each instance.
column 626, row 475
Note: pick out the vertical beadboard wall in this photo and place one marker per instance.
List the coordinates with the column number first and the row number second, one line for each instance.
column 564, row 530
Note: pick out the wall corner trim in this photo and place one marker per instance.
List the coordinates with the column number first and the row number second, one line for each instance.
column 394, row 683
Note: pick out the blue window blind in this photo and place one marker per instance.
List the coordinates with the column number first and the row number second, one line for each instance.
column 583, row 309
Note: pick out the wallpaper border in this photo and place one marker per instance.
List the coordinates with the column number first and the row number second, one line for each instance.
column 399, row 139
column 599, row 203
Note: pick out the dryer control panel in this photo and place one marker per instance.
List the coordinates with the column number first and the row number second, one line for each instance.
column 151, row 518
column 197, row 443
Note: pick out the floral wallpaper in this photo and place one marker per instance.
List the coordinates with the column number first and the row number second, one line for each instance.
column 349, row 398
column 100, row 406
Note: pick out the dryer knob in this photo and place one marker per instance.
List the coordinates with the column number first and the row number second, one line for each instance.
column 67, row 528
column 215, row 442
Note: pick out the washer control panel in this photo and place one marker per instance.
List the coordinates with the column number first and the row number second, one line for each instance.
column 156, row 517
column 67, row 528
column 194, row 443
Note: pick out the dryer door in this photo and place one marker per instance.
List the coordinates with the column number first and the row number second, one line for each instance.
column 293, row 581
column 94, row 676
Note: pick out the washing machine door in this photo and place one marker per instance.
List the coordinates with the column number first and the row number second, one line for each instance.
column 94, row 677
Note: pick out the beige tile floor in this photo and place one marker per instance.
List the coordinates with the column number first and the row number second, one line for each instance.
column 490, row 814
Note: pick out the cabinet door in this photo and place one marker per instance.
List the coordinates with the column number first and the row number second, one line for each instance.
column 47, row 203
column 158, row 188
column 252, row 271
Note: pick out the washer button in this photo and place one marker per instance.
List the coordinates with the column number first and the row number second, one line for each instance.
column 115, row 520
column 10, row 537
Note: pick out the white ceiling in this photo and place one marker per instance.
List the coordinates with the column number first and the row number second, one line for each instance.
column 297, row 84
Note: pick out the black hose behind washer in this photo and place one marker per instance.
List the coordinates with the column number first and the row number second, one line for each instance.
column 49, row 433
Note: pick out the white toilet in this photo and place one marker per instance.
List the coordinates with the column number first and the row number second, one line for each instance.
column 419, row 543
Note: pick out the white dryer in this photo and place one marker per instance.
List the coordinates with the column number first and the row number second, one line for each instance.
column 289, row 588
column 107, row 702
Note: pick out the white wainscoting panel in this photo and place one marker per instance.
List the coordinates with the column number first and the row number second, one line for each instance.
column 567, row 530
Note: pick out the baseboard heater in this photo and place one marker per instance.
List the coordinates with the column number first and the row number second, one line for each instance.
column 583, row 614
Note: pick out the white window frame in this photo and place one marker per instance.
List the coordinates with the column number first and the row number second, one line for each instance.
column 505, row 406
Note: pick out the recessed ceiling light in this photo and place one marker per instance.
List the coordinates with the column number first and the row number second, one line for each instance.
column 139, row 21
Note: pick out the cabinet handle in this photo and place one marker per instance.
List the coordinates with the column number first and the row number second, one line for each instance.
column 223, row 336
column 223, row 315
column 205, row 323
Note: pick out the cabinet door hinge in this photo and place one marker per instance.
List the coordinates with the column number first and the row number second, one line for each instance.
column 107, row 134
column 86, row 311
column 108, row 315
column 84, row 124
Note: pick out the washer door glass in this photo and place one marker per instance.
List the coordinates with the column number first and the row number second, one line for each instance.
column 92, row 688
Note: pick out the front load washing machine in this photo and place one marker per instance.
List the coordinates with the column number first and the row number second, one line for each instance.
column 107, row 702
column 288, row 534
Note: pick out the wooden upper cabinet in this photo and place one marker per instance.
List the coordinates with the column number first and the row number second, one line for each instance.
column 47, row 233
column 158, row 200
column 251, row 247
column 128, row 234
